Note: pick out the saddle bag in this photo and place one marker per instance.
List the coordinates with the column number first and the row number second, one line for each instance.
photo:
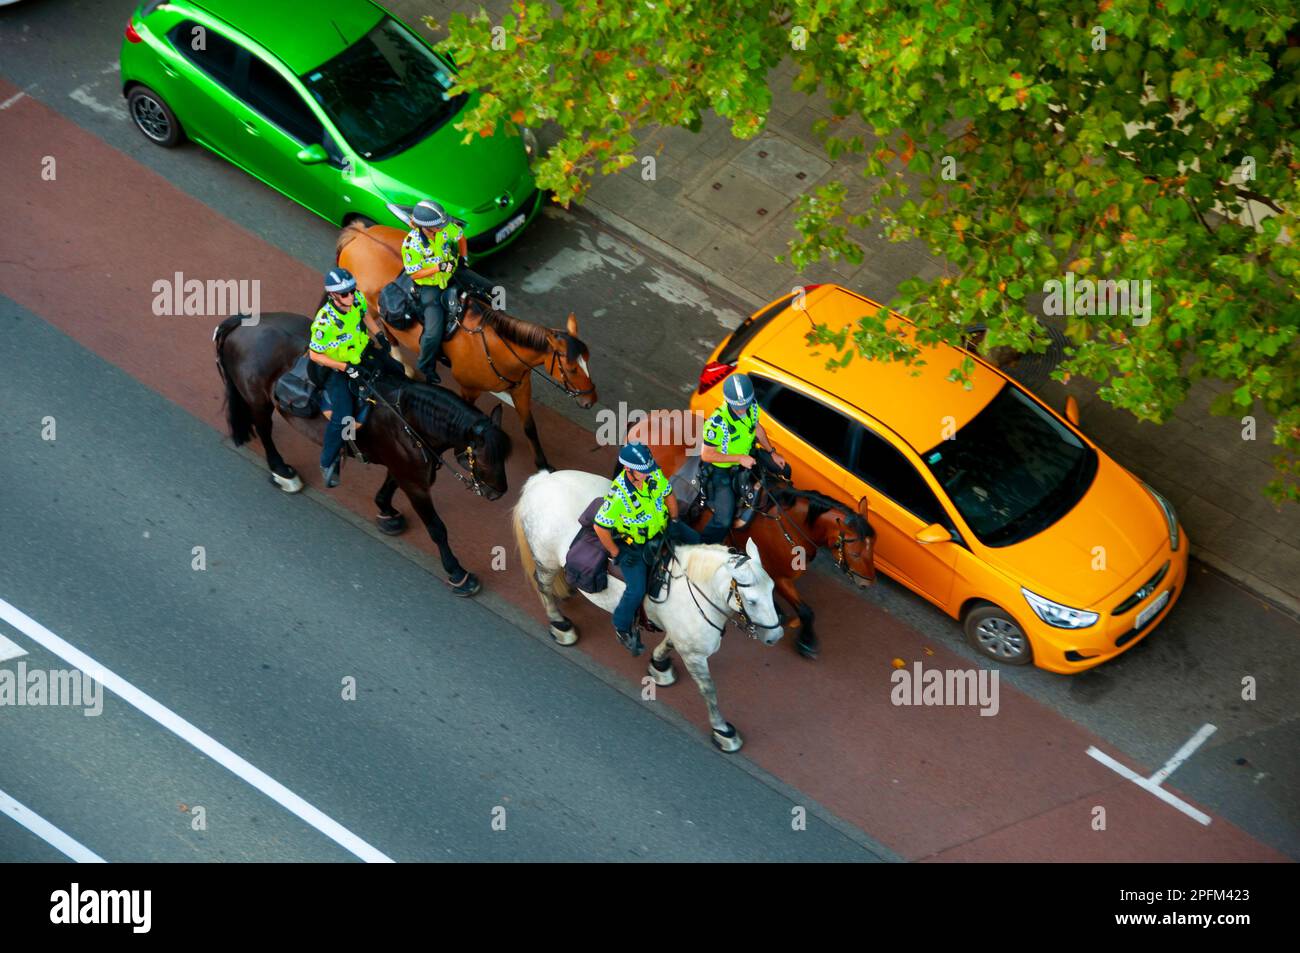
column 295, row 392
column 397, row 303
column 587, row 561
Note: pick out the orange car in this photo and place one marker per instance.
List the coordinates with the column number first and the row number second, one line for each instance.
column 984, row 501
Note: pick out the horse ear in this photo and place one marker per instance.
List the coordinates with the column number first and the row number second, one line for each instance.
column 751, row 549
column 862, row 507
column 495, row 416
column 572, row 325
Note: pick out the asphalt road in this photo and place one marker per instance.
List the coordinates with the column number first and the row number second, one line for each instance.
column 60, row 543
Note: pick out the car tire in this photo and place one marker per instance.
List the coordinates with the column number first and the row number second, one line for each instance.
column 993, row 633
column 154, row 118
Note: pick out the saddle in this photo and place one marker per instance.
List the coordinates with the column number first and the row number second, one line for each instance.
column 298, row 392
column 399, row 305
column 587, row 565
column 691, row 484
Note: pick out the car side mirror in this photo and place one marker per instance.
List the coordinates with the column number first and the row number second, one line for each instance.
column 313, row 154
column 934, row 533
column 1072, row 410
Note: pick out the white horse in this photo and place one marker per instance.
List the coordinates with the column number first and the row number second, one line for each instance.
column 708, row 585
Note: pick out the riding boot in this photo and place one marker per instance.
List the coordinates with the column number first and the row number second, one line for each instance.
column 435, row 325
column 331, row 474
column 631, row 640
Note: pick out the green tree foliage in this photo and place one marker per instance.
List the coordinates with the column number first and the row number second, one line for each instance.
column 1018, row 139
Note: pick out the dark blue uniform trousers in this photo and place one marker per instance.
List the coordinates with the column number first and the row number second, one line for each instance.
column 633, row 560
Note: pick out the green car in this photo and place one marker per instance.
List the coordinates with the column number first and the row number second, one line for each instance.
column 335, row 103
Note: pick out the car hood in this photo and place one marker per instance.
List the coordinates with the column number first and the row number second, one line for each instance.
column 465, row 179
column 1117, row 514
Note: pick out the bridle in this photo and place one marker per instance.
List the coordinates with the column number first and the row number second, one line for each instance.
column 744, row 622
column 473, row 483
column 838, row 548
column 553, row 365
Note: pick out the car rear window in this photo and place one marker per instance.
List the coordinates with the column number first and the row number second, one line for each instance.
column 822, row 427
column 208, row 50
column 730, row 352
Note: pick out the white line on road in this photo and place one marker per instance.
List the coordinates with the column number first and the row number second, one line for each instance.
column 10, row 649
column 47, row 831
column 1149, row 785
column 1183, row 754
column 188, row 732
column 11, row 100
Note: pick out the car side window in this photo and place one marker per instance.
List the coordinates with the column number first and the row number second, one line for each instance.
column 879, row 464
column 209, row 51
column 275, row 98
column 822, row 427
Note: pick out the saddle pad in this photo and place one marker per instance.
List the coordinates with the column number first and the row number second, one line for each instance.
column 687, row 483
column 586, row 565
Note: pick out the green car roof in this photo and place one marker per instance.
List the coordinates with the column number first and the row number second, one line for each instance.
column 302, row 33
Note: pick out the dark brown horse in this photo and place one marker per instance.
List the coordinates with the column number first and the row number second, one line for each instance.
column 788, row 533
column 491, row 352
column 409, row 427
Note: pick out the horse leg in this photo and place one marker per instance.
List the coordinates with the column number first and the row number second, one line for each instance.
column 562, row 629
column 389, row 520
column 462, row 581
column 523, row 398
column 661, row 666
column 806, row 639
column 282, row 475
column 725, row 736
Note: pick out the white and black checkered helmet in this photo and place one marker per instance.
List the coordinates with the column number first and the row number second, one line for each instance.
column 339, row 281
column 738, row 389
column 428, row 214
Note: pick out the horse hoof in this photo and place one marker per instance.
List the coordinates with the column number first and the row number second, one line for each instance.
column 469, row 586
column 290, row 484
column 808, row 650
column 729, row 741
column 564, row 633
column 394, row 525
column 661, row 672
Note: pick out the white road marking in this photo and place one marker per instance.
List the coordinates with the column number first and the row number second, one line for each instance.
column 188, row 732
column 48, row 832
column 82, row 95
column 503, row 397
column 1183, row 754
column 1153, row 783
column 11, row 100
column 9, row 649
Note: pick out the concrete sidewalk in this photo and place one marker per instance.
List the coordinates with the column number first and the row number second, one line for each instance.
column 723, row 208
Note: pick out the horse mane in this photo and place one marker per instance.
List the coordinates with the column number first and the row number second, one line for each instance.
column 355, row 229
column 526, row 333
column 435, row 410
column 703, row 560
column 819, row 504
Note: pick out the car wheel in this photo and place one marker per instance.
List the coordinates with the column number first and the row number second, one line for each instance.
column 365, row 221
column 996, row 635
column 153, row 117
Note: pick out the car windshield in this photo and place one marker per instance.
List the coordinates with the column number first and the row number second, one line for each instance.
column 386, row 92
column 1013, row 470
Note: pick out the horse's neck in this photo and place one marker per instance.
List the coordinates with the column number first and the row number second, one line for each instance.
column 531, row 356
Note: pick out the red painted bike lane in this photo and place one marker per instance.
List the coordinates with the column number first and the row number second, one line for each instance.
column 84, row 250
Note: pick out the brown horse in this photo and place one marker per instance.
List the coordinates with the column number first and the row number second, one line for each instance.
column 788, row 533
column 409, row 428
column 491, row 352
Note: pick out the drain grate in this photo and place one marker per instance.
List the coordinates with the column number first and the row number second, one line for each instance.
column 1031, row 370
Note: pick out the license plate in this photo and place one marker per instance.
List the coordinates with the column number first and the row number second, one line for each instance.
column 1151, row 611
column 510, row 227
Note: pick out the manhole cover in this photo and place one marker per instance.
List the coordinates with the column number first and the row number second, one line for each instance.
column 1031, row 370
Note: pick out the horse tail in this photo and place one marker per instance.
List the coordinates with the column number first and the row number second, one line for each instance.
column 350, row 231
column 239, row 416
column 559, row 584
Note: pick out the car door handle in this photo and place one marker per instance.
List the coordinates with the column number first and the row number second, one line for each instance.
column 251, row 129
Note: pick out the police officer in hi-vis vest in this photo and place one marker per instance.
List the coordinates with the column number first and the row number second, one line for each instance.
column 339, row 343
column 637, row 510
column 728, row 450
column 431, row 252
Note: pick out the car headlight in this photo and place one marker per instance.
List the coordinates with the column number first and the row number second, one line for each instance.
column 1055, row 614
column 530, row 143
column 1171, row 518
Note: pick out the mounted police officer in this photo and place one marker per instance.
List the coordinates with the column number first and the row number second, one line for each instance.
column 338, row 343
column 638, row 509
column 728, row 453
column 431, row 254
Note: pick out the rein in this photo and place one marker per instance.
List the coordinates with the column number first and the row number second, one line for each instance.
column 745, row 623
column 553, row 364
column 838, row 547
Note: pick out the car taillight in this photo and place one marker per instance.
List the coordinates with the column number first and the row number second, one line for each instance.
column 131, row 35
column 713, row 372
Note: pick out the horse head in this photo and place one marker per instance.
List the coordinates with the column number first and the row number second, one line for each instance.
column 852, row 543
column 752, row 588
column 486, row 454
column 567, row 364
